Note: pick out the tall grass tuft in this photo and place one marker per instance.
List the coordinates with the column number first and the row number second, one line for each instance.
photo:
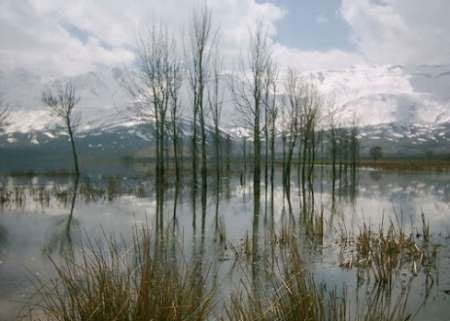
column 110, row 283
column 294, row 295
column 386, row 251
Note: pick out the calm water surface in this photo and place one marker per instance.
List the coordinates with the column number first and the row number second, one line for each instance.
column 35, row 217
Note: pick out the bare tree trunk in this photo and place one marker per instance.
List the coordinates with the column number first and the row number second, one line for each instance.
column 228, row 155
column 174, row 87
column 203, row 167
column 289, row 156
column 200, row 38
column 272, row 155
column 249, row 98
column 266, row 144
column 74, row 149
column 257, row 150
column 194, row 147
column 244, row 154
column 215, row 106
column 176, row 153
column 333, row 160
column 217, row 152
column 155, row 87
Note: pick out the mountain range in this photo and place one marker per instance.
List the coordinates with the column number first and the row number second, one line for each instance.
column 404, row 109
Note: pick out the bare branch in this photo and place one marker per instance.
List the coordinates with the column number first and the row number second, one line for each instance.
column 62, row 100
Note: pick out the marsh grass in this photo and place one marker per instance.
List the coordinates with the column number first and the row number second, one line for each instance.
column 110, row 282
column 107, row 280
column 386, row 251
column 220, row 235
column 380, row 305
column 244, row 250
column 293, row 294
column 10, row 198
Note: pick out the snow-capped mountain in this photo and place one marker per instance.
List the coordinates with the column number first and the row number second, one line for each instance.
column 101, row 92
column 406, row 106
column 387, row 94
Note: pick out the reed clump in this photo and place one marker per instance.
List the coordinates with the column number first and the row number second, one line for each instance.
column 244, row 250
column 283, row 236
column 386, row 251
column 293, row 295
column 110, row 283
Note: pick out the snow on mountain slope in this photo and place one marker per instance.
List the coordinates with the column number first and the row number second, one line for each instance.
column 393, row 97
column 387, row 94
column 102, row 97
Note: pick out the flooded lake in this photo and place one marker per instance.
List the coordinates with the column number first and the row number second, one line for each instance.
column 40, row 216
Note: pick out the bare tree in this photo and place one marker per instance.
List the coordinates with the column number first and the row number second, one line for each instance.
column 175, row 116
column 293, row 122
column 270, row 114
column 248, row 93
column 62, row 100
column 215, row 100
column 354, row 146
column 155, row 88
column 333, row 146
column 311, row 104
column 228, row 144
column 199, row 56
column 244, row 157
column 273, row 115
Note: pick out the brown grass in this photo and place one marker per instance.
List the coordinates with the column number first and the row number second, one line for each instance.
column 294, row 295
column 386, row 251
column 114, row 284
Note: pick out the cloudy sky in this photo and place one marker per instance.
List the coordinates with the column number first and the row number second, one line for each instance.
column 72, row 37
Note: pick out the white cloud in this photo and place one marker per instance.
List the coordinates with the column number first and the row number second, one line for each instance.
column 33, row 35
column 406, row 32
column 400, row 31
column 303, row 60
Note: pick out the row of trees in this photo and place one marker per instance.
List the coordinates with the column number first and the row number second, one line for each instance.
column 265, row 102
column 157, row 81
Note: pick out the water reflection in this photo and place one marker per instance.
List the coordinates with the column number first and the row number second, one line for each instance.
column 215, row 223
column 61, row 239
column 3, row 240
